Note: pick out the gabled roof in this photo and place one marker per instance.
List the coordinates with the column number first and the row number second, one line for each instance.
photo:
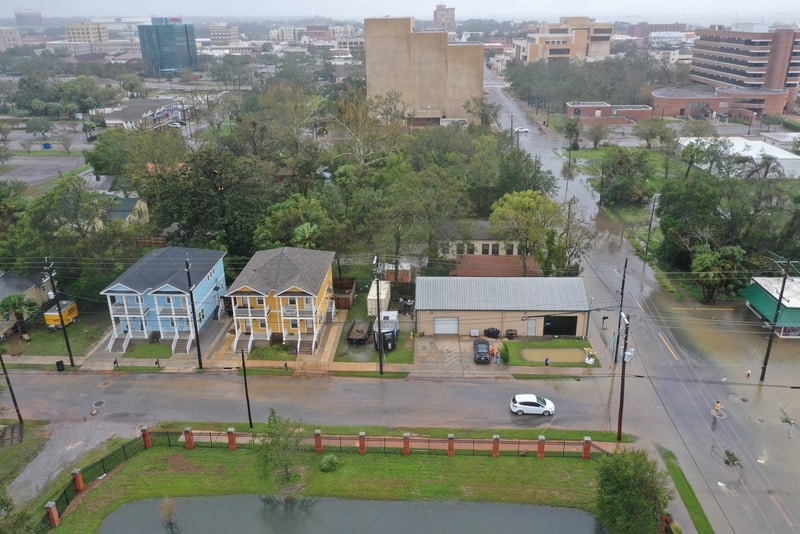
column 280, row 269
column 122, row 207
column 164, row 266
column 13, row 284
column 502, row 294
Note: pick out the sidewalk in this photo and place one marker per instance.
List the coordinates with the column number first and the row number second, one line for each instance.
column 216, row 353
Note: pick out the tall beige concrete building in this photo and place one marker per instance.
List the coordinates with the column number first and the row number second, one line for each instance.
column 434, row 76
column 444, row 18
column 570, row 38
column 86, row 32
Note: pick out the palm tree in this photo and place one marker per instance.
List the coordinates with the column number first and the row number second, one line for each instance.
column 19, row 306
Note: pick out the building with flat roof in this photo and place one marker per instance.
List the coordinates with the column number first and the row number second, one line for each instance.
column 86, row 32
column 752, row 62
column 222, row 34
column 28, row 18
column 444, row 18
column 570, row 38
column 168, row 46
column 643, row 30
column 433, row 76
column 705, row 101
column 9, row 38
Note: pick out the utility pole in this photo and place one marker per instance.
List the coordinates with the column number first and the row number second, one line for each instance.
column 622, row 383
column 10, row 389
column 194, row 314
column 619, row 324
column 51, row 274
column 379, row 338
column 650, row 226
column 775, row 321
column 246, row 392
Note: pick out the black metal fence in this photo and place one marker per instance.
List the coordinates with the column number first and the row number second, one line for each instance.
column 98, row 471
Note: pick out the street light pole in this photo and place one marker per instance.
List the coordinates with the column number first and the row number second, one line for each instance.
column 50, row 274
column 622, row 383
column 194, row 315
column 10, row 389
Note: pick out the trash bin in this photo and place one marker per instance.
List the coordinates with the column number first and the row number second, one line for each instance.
column 60, row 365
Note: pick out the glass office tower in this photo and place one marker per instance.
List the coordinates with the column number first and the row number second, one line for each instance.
column 168, row 46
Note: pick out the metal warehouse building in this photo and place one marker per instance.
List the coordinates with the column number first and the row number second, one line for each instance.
column 531, row 306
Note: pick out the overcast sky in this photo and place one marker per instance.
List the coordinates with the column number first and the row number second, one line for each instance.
column 699, row 12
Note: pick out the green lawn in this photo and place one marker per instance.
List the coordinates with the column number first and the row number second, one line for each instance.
column 515, row 349
column 90, row 328
column 14, row 458
column 176, row 472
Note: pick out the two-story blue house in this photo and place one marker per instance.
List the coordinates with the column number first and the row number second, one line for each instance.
column 153, row 299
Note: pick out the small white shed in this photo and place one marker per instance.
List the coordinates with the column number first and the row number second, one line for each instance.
column 372, row 297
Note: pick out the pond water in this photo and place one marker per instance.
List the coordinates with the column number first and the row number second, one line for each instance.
column 246, row 514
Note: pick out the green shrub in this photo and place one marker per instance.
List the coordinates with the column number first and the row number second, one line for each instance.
column 329, row 463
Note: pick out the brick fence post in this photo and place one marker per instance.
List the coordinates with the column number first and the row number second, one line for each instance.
column 231, row 439
column 406, row 443
column 318, row 441
column 587, row 448
column 52, row 514
column 147, row 438
column 362, row 443
column 451, row 444
column 540, row 447
column 77, row 480
column 495, row 445
column 189, row 437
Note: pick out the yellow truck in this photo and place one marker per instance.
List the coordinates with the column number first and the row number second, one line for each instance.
column 69, row 311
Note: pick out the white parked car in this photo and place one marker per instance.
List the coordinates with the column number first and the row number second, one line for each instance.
column 521, row 130
column 527, row 403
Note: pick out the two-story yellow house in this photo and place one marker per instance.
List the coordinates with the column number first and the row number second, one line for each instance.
column 283, row 295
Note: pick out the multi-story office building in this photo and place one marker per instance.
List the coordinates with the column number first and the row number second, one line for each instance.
column 28, row 18
column 444, row 18
column 168, row 46
column 571, row 38
column 760, row 69
column 86, row 32
column 434, row 77
column 222, row 34
column 643, row 30
column 9, row 38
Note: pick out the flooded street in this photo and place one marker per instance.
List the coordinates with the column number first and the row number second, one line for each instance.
column 686, row 357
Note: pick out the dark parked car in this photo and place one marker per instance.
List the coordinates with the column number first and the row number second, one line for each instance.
column 481, row 349
column 493, row 333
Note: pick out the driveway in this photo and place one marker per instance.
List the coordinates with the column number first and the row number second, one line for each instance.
column 444, row 356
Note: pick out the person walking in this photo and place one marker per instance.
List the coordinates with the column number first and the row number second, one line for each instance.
column 547, row 362
column 718, row 406
column 496, row 355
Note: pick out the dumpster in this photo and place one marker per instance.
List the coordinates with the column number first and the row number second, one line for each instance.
column 60, row 365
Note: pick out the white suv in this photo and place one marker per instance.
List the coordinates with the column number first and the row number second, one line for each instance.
column 526, row 403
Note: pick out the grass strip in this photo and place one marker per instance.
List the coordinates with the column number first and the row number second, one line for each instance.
column 686, row 493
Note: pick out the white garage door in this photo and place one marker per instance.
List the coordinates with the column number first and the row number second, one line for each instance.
column 445, row 325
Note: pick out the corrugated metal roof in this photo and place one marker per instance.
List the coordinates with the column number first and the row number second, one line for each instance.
column 495, row 294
